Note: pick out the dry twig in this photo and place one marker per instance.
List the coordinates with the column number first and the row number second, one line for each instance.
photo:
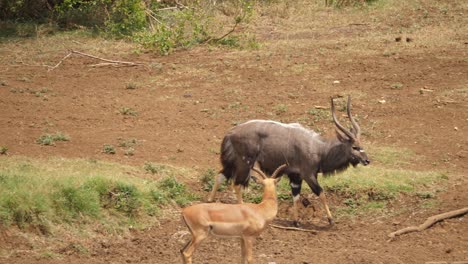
column 429, row 222
column 294, row 228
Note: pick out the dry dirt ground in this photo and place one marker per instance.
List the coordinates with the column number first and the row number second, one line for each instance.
column 410, row 94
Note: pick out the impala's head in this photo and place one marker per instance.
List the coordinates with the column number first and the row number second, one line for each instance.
column 350, row 138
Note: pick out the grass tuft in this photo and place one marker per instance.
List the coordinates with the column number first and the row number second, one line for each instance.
column 50, row 139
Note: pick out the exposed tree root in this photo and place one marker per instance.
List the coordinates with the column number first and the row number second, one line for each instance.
column 429, row 222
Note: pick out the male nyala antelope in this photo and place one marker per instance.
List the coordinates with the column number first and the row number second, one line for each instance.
column 270, row 143
column 246, row 220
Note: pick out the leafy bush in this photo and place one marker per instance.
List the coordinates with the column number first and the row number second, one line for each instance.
column 126, row 17
column 151, row 23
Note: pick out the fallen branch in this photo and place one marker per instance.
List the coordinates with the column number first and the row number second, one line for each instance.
column 429, row 222
column 60, row 62
column 111, row 61
column 108, row 62
column 294, row 228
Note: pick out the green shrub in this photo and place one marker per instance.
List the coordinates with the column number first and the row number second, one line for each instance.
column 126, row 198
column 76, row 201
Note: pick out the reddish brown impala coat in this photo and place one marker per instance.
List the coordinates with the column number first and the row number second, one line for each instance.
column 246, row 221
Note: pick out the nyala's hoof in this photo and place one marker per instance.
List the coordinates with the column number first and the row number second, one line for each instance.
column 296, row 224
column 331, row 221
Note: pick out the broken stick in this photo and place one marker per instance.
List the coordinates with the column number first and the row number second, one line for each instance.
column 293, row 228
column 429, row 222
column 108, row 62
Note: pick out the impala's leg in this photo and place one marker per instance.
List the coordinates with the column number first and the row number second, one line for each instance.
column 314, row 185
column 243, row 256
column 188, row 250
column 184, row 258
column 296, row 182
column 247, row 254
column 325, row 204
column 220, row 178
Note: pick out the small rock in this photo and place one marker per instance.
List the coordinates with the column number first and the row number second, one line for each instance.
column 336, row 82
column 382, row 101
column 456, row 128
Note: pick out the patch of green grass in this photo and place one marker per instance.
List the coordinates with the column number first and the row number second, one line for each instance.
column 46, row 193
column 368, row 189
column 319, row 114
column 207, row 180
column 176, row 191
column 379, row 184
column 50, row 139
column 160, row 169
column 391, row 157
column 280, row 109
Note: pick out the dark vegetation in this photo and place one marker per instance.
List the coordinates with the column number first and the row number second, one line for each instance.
column 157, row 25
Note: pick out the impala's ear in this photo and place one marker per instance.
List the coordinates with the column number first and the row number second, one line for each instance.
column 257, row 179
column 278, row 179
